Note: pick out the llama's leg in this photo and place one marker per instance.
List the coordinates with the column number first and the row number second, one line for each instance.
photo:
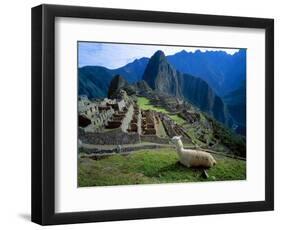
column 187, row 164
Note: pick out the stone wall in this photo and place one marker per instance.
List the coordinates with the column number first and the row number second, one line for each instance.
column 99, row 120
column 169, row 127
column 112, row 137
column 139, row 121
column 189, row 116
column 148, row 123
column 154, row 139
column 127, row 119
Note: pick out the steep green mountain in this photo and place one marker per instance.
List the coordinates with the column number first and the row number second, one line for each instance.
column 163, row 77
column 94, row 81
column 236, row 105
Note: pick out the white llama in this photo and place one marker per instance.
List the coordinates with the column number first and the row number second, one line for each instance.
column 192, row 157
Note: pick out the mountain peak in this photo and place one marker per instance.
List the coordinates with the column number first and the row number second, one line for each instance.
column 241, row 53
column 182, row 52
column 157, row 63
column 159, row 54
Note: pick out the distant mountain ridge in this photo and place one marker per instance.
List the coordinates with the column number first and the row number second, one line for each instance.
column 133, row 71
column 222, row 71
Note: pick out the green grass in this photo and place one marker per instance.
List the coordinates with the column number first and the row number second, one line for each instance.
column 152, row 166
column 177, row 119
column 236, row 143
column 145, row 104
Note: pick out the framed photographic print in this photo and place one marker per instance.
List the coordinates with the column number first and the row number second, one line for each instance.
column 143, row 114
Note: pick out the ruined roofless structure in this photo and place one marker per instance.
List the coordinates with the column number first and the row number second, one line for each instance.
column 121, row 121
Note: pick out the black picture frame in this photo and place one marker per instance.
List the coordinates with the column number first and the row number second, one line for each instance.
column 43, row 114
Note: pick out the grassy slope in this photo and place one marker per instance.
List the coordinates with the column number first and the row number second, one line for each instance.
column 145, row 104
column 153, row 166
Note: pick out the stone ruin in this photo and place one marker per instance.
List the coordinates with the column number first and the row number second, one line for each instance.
column 108, row 121
column 148, row 122
column 134, row 126
column 116, row 121
column 93, row 115
column 172, row 129
column 189, row 116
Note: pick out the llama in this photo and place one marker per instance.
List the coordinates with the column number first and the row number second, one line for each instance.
column 191, row 157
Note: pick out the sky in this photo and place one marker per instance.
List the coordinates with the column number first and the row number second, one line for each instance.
column 113, row 56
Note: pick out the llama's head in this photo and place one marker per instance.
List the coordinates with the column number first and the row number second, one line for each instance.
column 177, row 140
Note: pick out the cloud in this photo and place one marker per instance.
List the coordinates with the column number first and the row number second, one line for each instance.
column 113, row 56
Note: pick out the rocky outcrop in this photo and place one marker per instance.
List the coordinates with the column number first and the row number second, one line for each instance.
column 161, row 76
column 117, row 83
